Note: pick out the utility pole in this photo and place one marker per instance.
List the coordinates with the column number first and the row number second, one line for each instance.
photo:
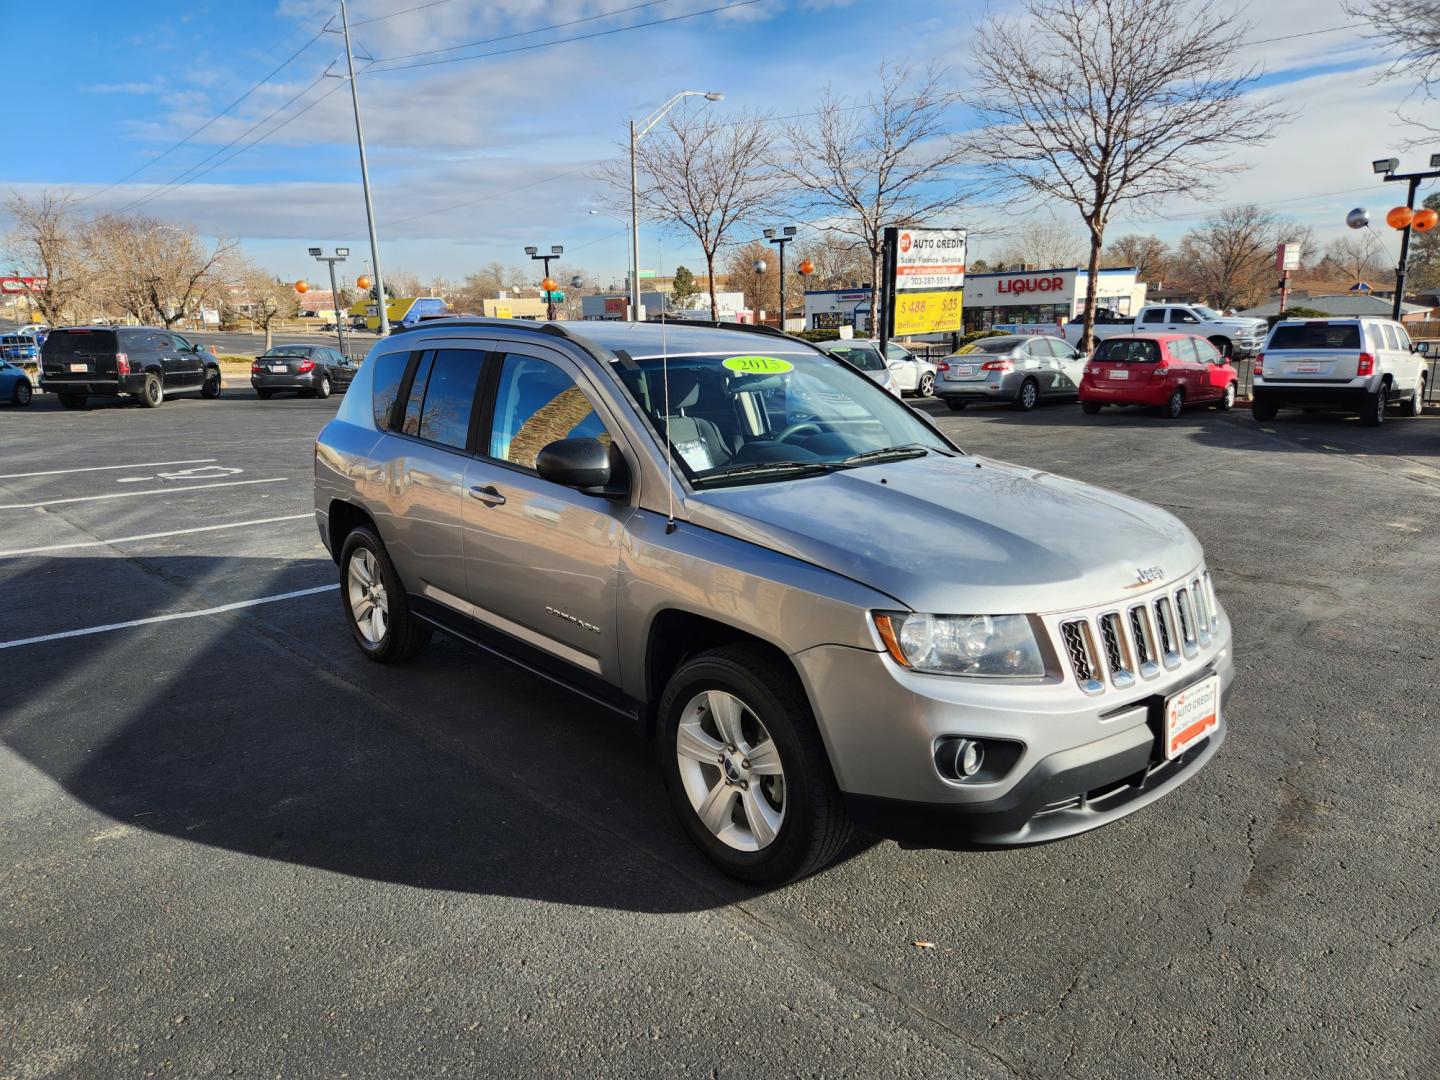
column 365, row 178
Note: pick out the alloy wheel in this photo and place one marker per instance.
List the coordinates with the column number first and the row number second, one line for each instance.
column 927, row 385
column 731, row 770
column 1029, row 395
column 369, row 605
column 22, row 393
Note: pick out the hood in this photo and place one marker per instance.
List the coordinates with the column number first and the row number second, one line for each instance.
column 960, row 535
column 1247, row 324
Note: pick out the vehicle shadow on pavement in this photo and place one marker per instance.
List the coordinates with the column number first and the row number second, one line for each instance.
column 264, row 732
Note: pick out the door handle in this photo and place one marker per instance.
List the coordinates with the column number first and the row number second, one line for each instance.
column 487, row 495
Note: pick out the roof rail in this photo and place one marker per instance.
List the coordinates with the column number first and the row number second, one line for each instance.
column 751, row 328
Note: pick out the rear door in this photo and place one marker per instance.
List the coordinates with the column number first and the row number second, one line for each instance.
column 1186, row 369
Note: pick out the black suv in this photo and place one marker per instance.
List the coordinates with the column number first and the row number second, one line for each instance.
column 80, row 362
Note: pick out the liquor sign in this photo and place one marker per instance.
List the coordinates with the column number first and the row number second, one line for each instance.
column 929, row 280
column 13, row 285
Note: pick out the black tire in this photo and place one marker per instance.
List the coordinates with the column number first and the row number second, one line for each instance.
column 22, row 394
column 1227, row 402
column 1090, row 408
column 1373, row 411
column 263, row 395
column 1224, row 345
column 405, row 635
column 151, row 394
column 816, row 827
column 1175, row 406
column 954, row 405
column 927, row 385
column 72, row 401
column 1262, row 410
column 1416, row 405
column 1028, row 396
column 210, row 388
column 322, row 388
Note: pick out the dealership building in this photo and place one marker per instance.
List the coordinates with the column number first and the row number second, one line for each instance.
column 1011, row 299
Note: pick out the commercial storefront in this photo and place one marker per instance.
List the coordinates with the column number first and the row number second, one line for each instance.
column 1024, row 301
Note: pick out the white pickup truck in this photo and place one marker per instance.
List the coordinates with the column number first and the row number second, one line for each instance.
column 1232, row 335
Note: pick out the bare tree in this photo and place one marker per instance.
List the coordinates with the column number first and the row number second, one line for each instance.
column 840, row 262
column 1410, row 31
column 1141, row 102
column 1230, row 259
column 704, row 176
column 151, row 270
column 1149, row 255
column 265, row 300
column 44, row 243
column 887, row 163
column 1357, row 257
column 1042, row 245
column 761, row 287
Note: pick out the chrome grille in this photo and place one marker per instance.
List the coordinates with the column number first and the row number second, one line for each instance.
column 1117, row 648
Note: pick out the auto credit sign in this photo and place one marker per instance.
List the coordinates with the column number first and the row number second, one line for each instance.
column 929, row 280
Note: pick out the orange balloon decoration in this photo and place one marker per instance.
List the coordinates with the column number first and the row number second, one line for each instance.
column 549, row 285
column 1400, row 217
column 806, row 266
column 1424, row 220
column 302, row 286
column 362, row 282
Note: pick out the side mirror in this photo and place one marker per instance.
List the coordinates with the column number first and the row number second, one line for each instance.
column 1421, row 347
column 576, row 463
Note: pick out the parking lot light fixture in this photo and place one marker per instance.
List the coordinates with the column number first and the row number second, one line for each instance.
column 547, row 286
column 331, row 260
column 1402, row 217
column 1385, row 166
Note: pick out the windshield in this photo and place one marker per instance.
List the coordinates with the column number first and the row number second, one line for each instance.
column 1128, row 351
column 769, row 415
column 864, row 357
column 1315, row 336
column 1208, row 314
column 288, row 350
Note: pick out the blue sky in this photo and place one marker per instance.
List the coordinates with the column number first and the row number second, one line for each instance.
column 510, row 140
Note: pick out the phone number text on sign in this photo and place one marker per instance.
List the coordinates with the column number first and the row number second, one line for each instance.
column 927, row 312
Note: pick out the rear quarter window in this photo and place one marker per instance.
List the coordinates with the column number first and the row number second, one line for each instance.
column 1315, row 336
column 388, row 371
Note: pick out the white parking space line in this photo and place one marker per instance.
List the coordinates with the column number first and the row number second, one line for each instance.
column 168, row 618
column 105, row 468
column 147, row 491
column 150, row 536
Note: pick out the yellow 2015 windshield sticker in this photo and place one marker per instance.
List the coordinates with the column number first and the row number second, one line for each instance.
column 757, row 365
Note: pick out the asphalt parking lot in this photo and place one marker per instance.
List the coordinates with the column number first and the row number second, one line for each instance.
column 231, row 846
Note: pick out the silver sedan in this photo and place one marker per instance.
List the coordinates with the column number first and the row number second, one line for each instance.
column 1020, row 369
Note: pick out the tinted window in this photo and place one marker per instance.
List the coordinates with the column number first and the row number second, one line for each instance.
column 389, row 370
column 410, row 423
column 1180, row 315
column 860, row 356
column 288, row 350
column 996, row 347
column 181, row 343
column 64, row 343
column 1128, row 350
column 447, row 396
column 537, row 404
column 1315, row 336
column 1153, row 315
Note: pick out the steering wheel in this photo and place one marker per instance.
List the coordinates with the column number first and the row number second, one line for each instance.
column 789, row 431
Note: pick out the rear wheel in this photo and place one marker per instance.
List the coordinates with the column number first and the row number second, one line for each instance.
column 1227, row 400
column 1175, row 406
column 1263, row 410
column 1091, row 408
column 322, row 388
column 376, row 607
column 745, row 768
column 927, row 385
column 151, row 392
column 210, row 388
column 72, row 401
column 1373, row 411
column 263, row 395
column 21, row 394
column 955, row 404
column 1029, row 395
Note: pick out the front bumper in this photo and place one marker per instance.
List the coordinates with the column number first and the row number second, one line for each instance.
column 1086, row 760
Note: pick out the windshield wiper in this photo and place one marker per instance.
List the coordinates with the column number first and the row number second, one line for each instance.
column 888, row 453
column 762, row 469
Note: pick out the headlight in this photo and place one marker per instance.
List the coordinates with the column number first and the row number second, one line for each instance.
column 961, row 644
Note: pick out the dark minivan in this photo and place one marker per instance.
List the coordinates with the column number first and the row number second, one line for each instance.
column 81, row 362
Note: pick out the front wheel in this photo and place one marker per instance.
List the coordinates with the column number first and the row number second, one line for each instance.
column 1090, row 408
column 72, row 401
column 1416, row 405
column 151, row 392
column 376, row 608
column 1029, row 395
column 1224, row 346
column 954, row 405
column 1373, row 411
column 210, row 388
column 263, row 395
column 21, row 394
column 927, row 385
column 745, row 768
column 1175, row 406
column 1227, row 402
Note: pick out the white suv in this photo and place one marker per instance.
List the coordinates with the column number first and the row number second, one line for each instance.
column 1356, row 365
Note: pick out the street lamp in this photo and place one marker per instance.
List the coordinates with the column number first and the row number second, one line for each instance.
column 548, row 285
column 638, row 132
column 787, row 235
column 341, row 253
column 1403, row 218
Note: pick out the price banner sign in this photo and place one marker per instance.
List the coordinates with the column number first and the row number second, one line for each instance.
column 929, row 280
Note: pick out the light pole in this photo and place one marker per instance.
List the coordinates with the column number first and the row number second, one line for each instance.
column 365, row 179
column 1386, row 167
column 339, row 256
column 548, row 285
column 638, row 132
column 787, row 235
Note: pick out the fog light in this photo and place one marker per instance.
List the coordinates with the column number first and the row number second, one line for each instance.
column 969, row 756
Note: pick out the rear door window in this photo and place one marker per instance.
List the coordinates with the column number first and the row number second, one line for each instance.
column 1324, row 335
column 389, row 372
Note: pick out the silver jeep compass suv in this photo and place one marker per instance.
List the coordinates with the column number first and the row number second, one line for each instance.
column 696, row 527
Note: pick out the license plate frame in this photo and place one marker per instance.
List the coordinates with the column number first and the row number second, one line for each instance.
column 963, row 371
column 278, row 369
column 1191, row 714
column 79, row 367
column 1119, row 373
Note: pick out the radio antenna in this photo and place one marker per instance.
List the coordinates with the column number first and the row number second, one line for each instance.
column 669, row 448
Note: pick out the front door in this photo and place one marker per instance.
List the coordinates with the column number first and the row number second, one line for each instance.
column 542, row 560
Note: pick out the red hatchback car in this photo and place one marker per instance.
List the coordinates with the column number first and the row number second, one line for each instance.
column 1168, row 371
